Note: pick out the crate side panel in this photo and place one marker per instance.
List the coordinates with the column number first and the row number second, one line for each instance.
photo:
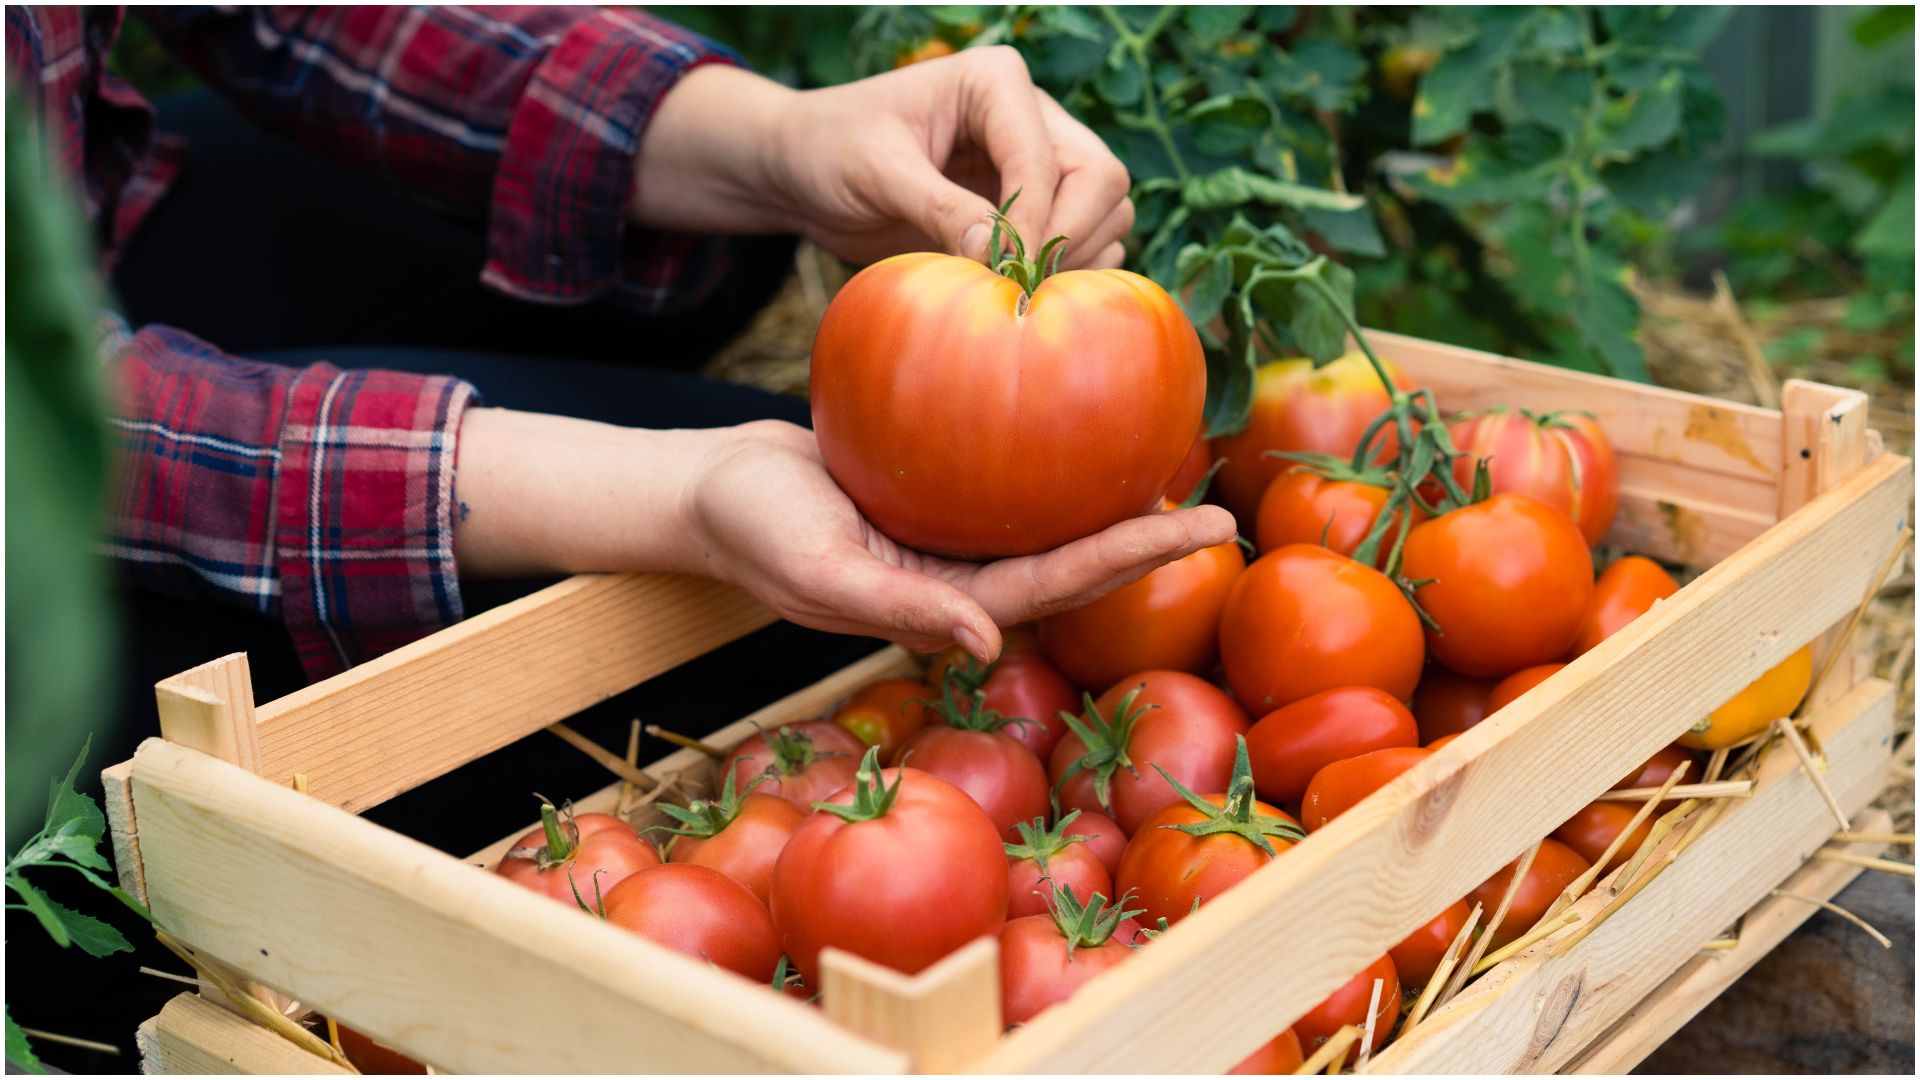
column 438, row 959
column 197, row 1037
column 1348, row 893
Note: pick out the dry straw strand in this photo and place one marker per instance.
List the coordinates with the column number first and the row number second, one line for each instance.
column 1431, row 992
column 613, row 762
column 1335, row 1046
column 1566, row 944
column 1886, row 866
column 1366, row 1035
column 1461, row 973
column 1542, row 930
column 1856, row 920
column 1812, row 767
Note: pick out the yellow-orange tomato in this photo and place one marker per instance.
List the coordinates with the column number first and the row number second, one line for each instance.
column 1299, row 407
column 886, row 714
column 1168, row 620
column 1765, row 700
column 966, row 418
column 1519, row 683
column 1624, row 591
column 1303, row 507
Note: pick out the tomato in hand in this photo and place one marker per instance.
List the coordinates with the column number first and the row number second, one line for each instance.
column 969, row 748
column 1448, row 703
column 1296, row 407
column 1177, row 721
column 1766, row 699
column 1280, row 1057
column 901, row 868
column 1168, row 620
column 886, row 714
column 1336, row 788
column 1419, row 956
column 1303, row 507
column 1554, row 868
column 804, row 762
column 1593, row 827
column 1561, row 458
column 1104, row 837
column 965, row 417
column 1021, row 686
column 1201, row 846
column 1624, row 591
column 1519, row 683
column 1303, row 619
column 1044, row 958
column 1288, row 746
column 1507, row 580
column 1045, row 858
column 1194, row 469
column 582, row 852
column 1348, row 1005
column 701, row 912
column 739, row 834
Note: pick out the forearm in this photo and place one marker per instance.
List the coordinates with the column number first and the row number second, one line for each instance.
column 704, row 165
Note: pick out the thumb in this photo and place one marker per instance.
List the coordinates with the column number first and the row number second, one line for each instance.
column 956, row 219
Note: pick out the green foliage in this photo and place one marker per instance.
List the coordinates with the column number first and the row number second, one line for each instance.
column 800, row 45
column 19, row 1051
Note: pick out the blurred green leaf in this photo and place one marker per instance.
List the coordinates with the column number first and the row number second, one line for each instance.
column 1651, row 119
column 1883, row 25
column 1460, row 84
column 1235, row 186
column 19, row 1051
column 1890, row 232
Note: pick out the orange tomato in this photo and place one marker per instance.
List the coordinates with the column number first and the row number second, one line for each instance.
column 1553, row 869
column 1420, row 954
column 1448, row 703
column 1563, row 459
column 1348, row 1005
column 886, row 714
column 1279, row 1057
column 1289, row 745
column 1168, row 620
column 1302, row 507
column 1337, row 788
column 1624, row 591
column 1519, row 683
column 1593, row 827
column 1767, row 698
column 1194, row 469
column 1167, row 870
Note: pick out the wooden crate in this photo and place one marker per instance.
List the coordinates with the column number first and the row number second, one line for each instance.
column 1795, row 511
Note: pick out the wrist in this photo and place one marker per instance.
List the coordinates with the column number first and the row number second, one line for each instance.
column 706, row 158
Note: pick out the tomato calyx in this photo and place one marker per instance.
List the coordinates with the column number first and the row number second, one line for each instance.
column 1155, row 931
column 1024, row 272
column 976, row 716
column 1039, row 843
column 1106, row 743
column 793, row 751
column 1200, row 489
column 871, row 795
column 1088, row 925
column 599, row 907
column 708, row 818
column 1238, row 815
column 563, row 837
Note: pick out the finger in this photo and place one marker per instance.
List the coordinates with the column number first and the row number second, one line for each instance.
column 1015, row 590
column 1115, row 228
column 999, row 111
column 958, row 220
column 859, row 594
column 1093, row 183
column 1111, row 258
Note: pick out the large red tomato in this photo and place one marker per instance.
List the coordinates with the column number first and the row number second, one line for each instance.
column 738, row 835
column 1291, row 744
column 1303, row 507
column 902, row 871
column 964, row 417
column 1624, row 591
column 1337, row 788
column 1104, row 837
column 1348, row 1005
column 1044, row 958
column 886, row 714
column 1508, row 580
column 1177, row 721
column 1419, row 956
column 1045, row 858
column 1554, row 868
column 1519, row 683
column 1563, row 459
column 1281, row 1057
column 1303, row 619
column 971, row 750
column 1021, row 686
column 1296, row 407
column 804, row 762
column 1194, row 469
column 700, row 912
column 578, row 852
column 1448, row 703
column 1169, row 620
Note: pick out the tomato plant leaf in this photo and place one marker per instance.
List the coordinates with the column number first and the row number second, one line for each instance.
column 19, row 1051
column 1234, row 186
column 1120, row 79
column 1460, row 84
column 1351, row 231
column 1651, row 119
column 1318, row 328
column 1210, row 290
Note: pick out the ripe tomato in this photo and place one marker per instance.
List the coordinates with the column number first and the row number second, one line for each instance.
column 1045, row 958
column 1020, row 686
column 1303, row 619
column 966, row 418
column 1301, row 507
column 1336, row 788
column 1169, row 620
column 886, row 714
column 1015, row 640
column 1508, row 580
column 1177, row 721
column 1593, row 827
column 1448, row 703
column 1444, row 740
column 1519, row 683
column 1656, row 770
column 1281, row 1057
column 1291, row 744
column 701, row 912
column 1299, row 407
column 902, row 871
column 1104, row 837
column 739, row 835
column 970, row 750
column 1419, row 956
column 1045, row 858
column 1766, row 699
column 1201, row 846
column 582, row 851
column 1348, row 1005
column 1561, row 458
column 805, row 762
column 1624, row 591
column 1200, row 458
column 376, row 1059
column 1554, row 868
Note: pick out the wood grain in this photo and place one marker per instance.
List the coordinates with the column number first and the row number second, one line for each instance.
column 195, row 1037
column 1346, row 894
column 941, row 1018
column 210, row 708
column 116, row 782
column 438, row 959
column 1824, row 438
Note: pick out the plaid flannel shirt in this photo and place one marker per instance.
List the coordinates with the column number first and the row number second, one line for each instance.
column 319, row 495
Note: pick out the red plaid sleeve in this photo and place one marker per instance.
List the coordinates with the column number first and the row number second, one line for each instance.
column 317, row 495
column 530, row 115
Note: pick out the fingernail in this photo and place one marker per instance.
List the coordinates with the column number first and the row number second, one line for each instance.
column 973, row 244
column 970, row 641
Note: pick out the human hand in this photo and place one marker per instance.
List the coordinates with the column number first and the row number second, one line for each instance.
column 912, row 160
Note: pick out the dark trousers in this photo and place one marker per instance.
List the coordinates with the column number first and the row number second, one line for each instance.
column 270, row 252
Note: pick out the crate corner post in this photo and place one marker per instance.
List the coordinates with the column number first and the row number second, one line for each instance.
column 942, row 1018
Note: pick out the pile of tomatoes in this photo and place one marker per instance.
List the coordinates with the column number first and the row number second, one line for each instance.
column 1123, row 764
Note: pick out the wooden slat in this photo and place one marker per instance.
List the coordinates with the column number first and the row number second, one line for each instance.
column 1497, row 1026
column 1824, row 439
column 1694, row 532
column 440, row 959
column 942, row 1017
column 398, row 721
column 210, row 708
column 1707, row 976
column 1348, row 893
column 117, row 784
column 195, row 1037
